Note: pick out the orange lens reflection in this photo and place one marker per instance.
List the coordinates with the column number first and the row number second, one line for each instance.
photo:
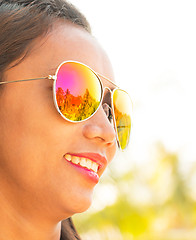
column 78, row 91
column 122, row 113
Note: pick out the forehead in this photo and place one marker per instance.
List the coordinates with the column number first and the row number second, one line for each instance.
column 67, row 42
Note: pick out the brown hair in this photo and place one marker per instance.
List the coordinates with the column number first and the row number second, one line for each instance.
column 22, row 21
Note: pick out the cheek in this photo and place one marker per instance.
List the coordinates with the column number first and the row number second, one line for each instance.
column 30, row 135
column 33, row 140
column 111, row 151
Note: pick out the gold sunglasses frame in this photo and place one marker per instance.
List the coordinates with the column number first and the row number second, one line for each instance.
column 99, row 76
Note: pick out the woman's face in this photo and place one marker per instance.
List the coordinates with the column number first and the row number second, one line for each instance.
column 34, row 138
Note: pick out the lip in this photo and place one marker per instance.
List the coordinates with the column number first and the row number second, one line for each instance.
column 95, row 157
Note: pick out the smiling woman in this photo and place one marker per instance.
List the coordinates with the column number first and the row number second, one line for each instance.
column 58, row 131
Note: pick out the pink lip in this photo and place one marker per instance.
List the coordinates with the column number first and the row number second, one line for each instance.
column 100, row 160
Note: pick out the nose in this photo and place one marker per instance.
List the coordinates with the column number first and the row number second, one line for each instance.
column 99, row 129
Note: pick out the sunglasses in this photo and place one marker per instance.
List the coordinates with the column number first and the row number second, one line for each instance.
column 78, row 92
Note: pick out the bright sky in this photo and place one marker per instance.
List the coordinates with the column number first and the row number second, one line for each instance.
column 152, row 46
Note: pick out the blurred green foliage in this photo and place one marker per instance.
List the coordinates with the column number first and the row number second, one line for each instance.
column 153, row 202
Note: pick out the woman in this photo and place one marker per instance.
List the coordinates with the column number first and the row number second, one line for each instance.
column 57, row 134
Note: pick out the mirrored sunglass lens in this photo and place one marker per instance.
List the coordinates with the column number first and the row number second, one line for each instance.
column 78, row 91
column 122, row 111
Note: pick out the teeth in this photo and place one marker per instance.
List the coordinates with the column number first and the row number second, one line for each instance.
column 94, row 167
column 68, row 157
column 88, row 163
column 75, row 159
column 84, row 162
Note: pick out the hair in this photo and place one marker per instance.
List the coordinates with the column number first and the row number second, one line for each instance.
column 22, row 21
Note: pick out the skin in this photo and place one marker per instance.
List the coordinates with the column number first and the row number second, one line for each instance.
column 38, row 187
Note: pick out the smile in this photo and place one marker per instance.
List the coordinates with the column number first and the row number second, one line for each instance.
column 83, row 162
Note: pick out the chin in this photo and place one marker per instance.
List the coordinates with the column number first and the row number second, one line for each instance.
column 71, row 206
column 81, row 205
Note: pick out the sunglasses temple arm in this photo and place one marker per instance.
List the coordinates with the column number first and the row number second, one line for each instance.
column 107, row 79
column 50, row 77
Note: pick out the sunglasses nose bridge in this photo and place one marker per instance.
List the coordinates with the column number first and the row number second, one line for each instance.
column 109, row 89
